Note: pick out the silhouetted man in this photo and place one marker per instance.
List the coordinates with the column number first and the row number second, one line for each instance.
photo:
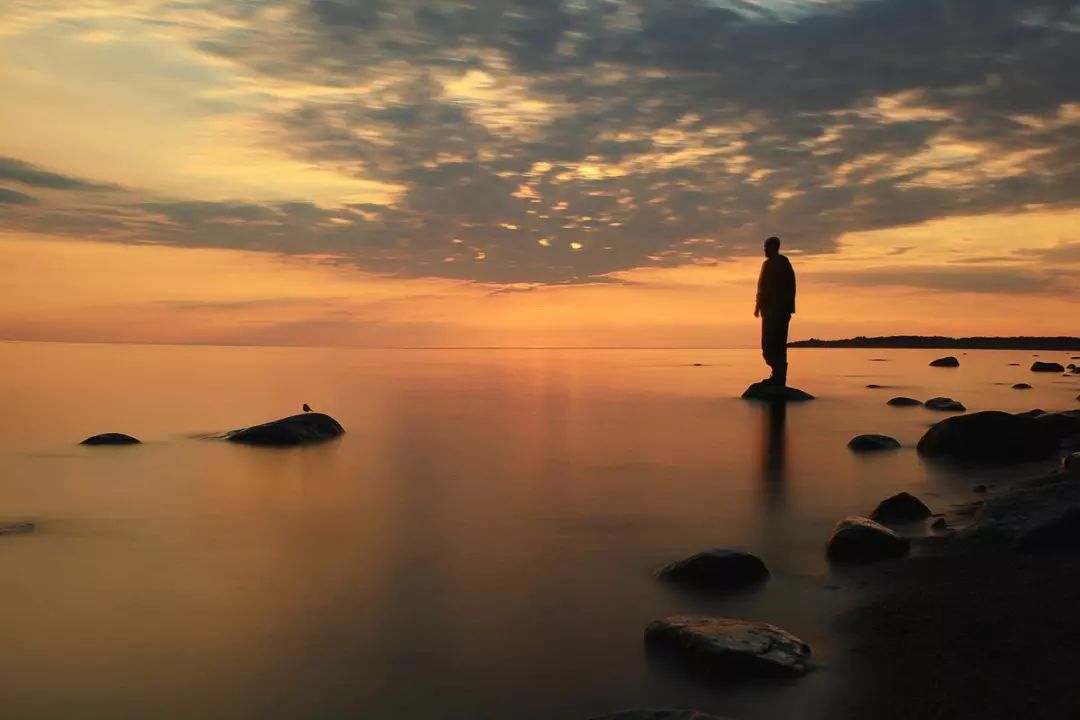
column 775, row 305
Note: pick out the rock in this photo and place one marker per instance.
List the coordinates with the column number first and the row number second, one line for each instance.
column 945, row 404
column 940, row 524
column 1062, row 424
column 981, row 489
column 989, row 437
column 1021, row 386
column 1039, row 366
column 698, row 364
column 949, row 361
column 292, row 430
column 17, row 528
column 872, row 386
column 1002, row 519
column 859, row 539
column 775, row 393
column 717, row 569
column 110, row 439
column 1070, row 465
column 903, row 402
column 1014, row 364
column 1061, row 533
column 728, row 645
column 901, row 508
column 658, row 715
column 873, row 443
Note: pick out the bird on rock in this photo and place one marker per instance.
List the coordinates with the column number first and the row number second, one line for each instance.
column 307, row 408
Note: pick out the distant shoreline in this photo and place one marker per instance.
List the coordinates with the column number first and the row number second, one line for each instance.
column 945, row 343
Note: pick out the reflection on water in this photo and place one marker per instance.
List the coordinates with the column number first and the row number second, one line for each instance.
column 480, row 544
column 773, row 456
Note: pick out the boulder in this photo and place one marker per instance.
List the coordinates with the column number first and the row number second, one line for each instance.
column 873, row 443
column 1058, row 534
column 944, row 404
column 110, row 439
column 17, row 528
column 658, row 715
column 717, row 569
column 293, row 430
column 901, row 508
column 903, row 402
column 940, row 524
column 775, row 393
column 1070, row 466
column 1021, row 386
column 949, row 361
column 989, row 437
column 728, row 646
column 859, row 540
column 1039, row 366
column 1062, row 424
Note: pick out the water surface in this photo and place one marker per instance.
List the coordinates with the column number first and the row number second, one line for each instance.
column 480, row 544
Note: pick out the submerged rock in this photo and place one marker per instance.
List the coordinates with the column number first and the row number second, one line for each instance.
column 658, row 715
column 1058, row 534
column 728, row 645
column 901, row 508
column 775, row 393
column 873, row 443
column 292, row 430
column 945, row 404
column 990, row 437
column 904, row 402
column 949, row 361
column 17, row 528
column 717, row 569
column 1021, row 386
column 110, row 439
column 1039, row 366
column 859, row 540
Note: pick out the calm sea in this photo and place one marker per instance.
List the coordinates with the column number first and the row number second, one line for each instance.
column 480, row 544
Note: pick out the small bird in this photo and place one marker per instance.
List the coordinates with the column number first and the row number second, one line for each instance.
column 307, row 408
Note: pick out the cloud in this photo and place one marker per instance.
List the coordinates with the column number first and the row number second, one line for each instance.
column 14, row 197
column 550, row 142
column 26, row 173
column 1007, row 280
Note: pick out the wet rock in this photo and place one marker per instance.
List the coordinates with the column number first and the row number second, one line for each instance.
column 110, row 439
column 1014, row 364
column 989, row 437
column 292, row 430
column 901, row 508
column 775, row 393
column 949, row 361
column 1058, row 534
column 1021, row 386
column 873, row 443
column 860, row 540
column 1062, row 424
column 717, row 569
column 1039, row 366
column 940, row 524
column 658, row 715
column 17, row 528
column 699, row 364
column 1070, row 466
column 728, row 646
column 873, row 386
column 981, row 489
column 944, row 404
column 903, row 402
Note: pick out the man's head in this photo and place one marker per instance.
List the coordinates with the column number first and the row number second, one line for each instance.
column 772, row 246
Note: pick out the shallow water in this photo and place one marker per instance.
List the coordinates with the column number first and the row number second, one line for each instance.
column 478, row 545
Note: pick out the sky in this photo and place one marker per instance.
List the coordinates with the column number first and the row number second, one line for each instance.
column 550, row 172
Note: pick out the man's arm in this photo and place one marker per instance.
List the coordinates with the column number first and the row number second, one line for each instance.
column 760, row 289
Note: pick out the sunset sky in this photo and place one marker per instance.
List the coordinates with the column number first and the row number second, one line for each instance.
column 549, row 172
